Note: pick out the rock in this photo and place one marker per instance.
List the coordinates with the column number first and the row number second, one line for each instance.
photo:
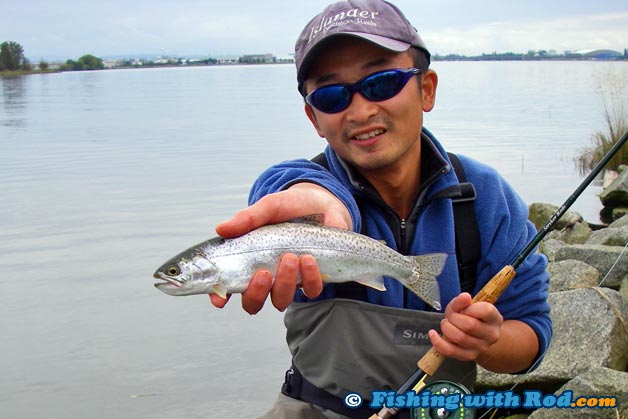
column 600, row 382
column 540, row 214
column 609, row 177
column 611, row 236
column 622, row 222
column 616, row 194
column 577, row 233
column 549, row 247
column 588, row 333
column 623, row 290
column 619, row 212
column 603, row 258
column 571, row 274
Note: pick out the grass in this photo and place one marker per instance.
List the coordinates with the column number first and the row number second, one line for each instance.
column 25, row 72
column 613, row 90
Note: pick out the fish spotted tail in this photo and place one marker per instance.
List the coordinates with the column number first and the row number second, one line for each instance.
column 423, row 281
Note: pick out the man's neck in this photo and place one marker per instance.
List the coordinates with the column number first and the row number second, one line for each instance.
column 399, row 187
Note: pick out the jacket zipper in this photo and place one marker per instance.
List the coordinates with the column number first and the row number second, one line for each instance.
column 402, row 239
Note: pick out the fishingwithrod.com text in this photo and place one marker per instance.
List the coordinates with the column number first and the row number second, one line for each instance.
column 530, row 399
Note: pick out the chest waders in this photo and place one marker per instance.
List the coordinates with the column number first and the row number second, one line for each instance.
column 342, row 346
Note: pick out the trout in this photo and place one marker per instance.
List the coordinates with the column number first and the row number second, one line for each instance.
column 221, row 266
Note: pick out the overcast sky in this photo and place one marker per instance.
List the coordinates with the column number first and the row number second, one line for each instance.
column 61, row 29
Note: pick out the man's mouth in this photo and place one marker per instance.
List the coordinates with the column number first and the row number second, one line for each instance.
column 368, row 135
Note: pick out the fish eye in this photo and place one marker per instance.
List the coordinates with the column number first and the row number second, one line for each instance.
column 173, row 270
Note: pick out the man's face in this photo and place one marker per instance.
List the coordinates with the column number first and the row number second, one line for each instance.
column 372, row 136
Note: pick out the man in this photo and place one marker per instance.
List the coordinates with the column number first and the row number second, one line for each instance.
column 363, row 71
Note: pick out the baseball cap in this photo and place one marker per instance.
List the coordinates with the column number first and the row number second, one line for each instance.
column 377, row 21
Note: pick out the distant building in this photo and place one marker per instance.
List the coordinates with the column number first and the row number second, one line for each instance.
column 599, row 54
column 228, row 60
column 258, row 59
column 285, row 59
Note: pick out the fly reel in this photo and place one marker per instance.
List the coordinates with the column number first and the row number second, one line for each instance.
column 440, row 407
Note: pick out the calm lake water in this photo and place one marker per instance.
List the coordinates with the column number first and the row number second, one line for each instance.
column 106, row 174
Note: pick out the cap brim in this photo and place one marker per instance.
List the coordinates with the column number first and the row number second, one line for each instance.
column 391, row 44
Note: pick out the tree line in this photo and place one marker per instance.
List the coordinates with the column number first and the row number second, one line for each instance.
column 12, row 59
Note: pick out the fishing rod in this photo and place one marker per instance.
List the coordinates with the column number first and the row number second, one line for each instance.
column 432, row 360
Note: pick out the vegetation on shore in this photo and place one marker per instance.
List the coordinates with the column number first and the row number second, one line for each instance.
column 12, row 57
column 612, row 86
column 13, row 62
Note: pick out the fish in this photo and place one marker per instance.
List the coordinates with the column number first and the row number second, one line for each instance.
column 226, row 265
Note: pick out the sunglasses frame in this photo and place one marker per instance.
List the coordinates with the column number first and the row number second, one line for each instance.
column 357, row 87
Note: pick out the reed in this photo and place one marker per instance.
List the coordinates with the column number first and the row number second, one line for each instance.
column 612, row 87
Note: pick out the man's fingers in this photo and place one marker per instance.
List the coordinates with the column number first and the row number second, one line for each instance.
column 463, row 339
column 450, row 349
column 297, row 201
column 312, row 284
column 486, row 312
column 458, row 304
column 285, row 285
column 218, row 301
column 255, row 295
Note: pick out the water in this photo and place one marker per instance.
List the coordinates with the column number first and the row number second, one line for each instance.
column 106, row 174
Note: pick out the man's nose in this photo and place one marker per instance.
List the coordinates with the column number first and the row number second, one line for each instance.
column 361, row 109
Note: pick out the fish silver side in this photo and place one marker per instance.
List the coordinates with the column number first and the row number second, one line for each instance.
column 221, row 266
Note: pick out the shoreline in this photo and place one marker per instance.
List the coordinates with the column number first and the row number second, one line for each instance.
column 26, row 72
column 488, row 58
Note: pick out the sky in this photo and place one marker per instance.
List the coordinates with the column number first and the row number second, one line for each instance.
column 62, row 29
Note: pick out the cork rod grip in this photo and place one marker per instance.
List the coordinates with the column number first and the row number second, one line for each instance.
column 430, row 362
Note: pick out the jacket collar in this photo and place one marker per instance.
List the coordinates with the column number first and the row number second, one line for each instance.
column 435, row 166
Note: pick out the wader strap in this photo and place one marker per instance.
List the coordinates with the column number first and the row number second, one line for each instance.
column 466, row 226
column 297, row 387
column 322, row 160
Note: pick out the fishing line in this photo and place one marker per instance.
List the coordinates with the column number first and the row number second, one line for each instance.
column 614, row 265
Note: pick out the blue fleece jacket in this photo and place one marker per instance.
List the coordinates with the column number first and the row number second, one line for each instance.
column 502, row 222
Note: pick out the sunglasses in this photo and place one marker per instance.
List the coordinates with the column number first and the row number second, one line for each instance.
column 375, row 87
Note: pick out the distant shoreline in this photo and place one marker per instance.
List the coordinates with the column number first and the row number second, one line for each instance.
column 26, row 72
column 436, row 58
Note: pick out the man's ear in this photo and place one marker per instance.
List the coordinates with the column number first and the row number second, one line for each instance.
column 429, row 81
column 309, row 111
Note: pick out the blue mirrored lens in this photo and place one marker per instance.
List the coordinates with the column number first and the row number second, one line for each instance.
column 331, row 99
column 382, row 86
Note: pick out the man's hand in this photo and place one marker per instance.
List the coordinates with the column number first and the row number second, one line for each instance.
column 469, row 328
column 477, row 332
column 299, row 200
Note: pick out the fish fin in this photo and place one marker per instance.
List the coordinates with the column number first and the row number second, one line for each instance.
column 325, row 277
column 375, row 283
column 318, row 219
column 220, row 290
column 423, row 281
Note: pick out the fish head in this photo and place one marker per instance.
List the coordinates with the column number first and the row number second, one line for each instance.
column 189, row 273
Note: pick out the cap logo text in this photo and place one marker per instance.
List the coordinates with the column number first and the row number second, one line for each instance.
column 344, row 18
